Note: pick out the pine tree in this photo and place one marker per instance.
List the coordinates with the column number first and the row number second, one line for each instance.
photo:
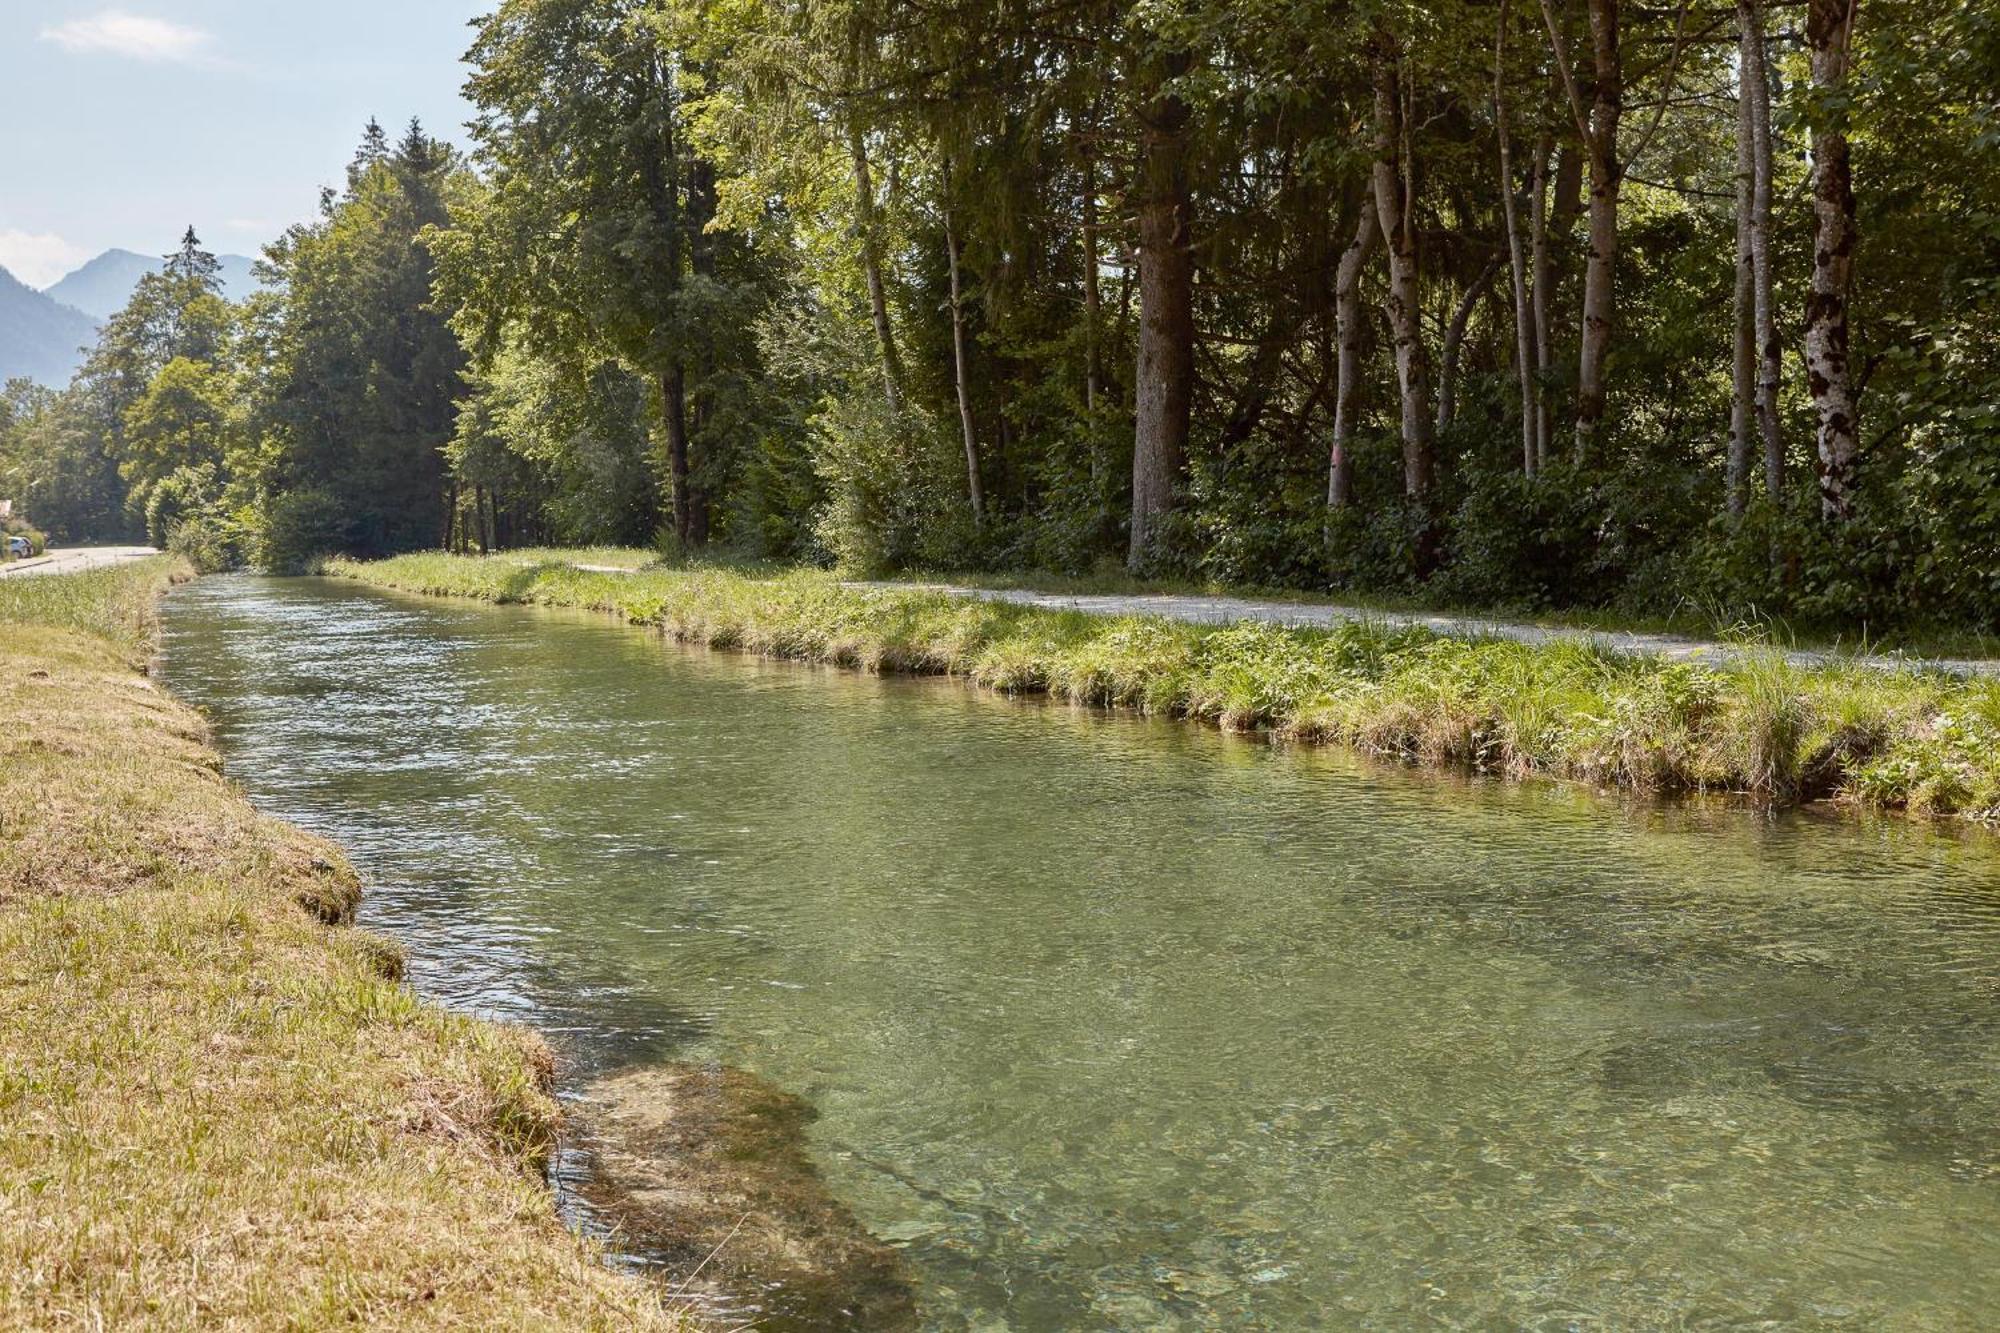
column 192, row 264
column 373, row 152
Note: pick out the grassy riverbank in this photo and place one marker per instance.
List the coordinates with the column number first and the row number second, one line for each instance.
column 218, row 1108
column 1905, row 740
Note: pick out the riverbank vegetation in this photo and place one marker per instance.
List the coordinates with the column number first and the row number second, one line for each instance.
column 1926, row 743
column 1542, row 305
column 217, row 1108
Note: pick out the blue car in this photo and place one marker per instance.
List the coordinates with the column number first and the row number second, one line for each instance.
column 19, row 548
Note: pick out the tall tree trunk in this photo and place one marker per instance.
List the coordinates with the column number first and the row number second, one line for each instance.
column 1163, row 394
column 1597, row 131
column 1093, row 298
column 1606, row 173
column 871, row 266
column 1829, row 30
column 1543, row 262
column 1454, row 339
column 701, row 208
column 1757, row 87
column 673, row 415
column 1347, row 335
column 663, row 189
column 1743, row 364
column 1524, row 317
column 1394, row 206
column 959, row 374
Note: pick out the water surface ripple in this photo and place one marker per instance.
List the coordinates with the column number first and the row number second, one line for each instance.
column 1118, row 1024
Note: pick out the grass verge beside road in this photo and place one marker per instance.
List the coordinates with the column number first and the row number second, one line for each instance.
column 218, row 1107
column 1905, row 740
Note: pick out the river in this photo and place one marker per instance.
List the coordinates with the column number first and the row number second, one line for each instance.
column 1115, row 1023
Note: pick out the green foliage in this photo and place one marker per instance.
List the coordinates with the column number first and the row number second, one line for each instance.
column 297, row 528
column 55, row 464
column 762, row 274
column 360, row 371
column 187, row 496
column 890, row 487
column 204, row 543
column 571, row 437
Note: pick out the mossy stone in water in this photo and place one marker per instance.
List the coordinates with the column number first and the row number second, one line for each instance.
column 704, row 1168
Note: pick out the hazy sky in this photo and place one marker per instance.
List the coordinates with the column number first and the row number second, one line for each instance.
column 122, row 124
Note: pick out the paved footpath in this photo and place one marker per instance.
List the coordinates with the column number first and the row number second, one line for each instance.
column 1202, row 610
column 73, row 560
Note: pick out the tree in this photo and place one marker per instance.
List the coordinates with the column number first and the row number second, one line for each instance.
column 850, row 281
column 1395, row 206
column 1163, row 385
column 1755, row 92
column 581, row 236
column 1525, row 327
column 1829, row 34
column 1348, row 338
column 360, row 372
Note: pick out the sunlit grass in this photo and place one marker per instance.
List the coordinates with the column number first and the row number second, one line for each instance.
column 116, row 602
column 1758, row 724
column 216, row 1109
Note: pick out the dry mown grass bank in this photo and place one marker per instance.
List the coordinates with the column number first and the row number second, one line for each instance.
column 216, row 1109
column 1901, row 740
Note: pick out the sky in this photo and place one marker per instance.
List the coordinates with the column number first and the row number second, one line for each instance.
column 121, row 124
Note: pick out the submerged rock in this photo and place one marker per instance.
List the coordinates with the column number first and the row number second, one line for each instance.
column 704, row 1170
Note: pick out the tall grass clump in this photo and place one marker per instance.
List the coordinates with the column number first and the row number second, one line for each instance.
column 1756, row 723
column 117, row 602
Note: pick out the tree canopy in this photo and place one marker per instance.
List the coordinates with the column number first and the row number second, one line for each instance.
column 1525, row 302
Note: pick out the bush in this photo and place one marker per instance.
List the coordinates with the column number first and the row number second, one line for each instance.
column 205, row 542
column 298, row 528
column 1378, row 548
column 191, row 492
column 894, row 487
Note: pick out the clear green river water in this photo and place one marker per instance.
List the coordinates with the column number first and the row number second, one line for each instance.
column 1124, row 1024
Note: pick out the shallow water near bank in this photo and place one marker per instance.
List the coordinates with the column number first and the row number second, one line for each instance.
column 1114, row 1023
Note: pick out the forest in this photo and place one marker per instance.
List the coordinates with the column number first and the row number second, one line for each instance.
column 1499, row 303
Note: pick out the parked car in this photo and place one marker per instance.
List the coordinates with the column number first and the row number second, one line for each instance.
column 19, row 548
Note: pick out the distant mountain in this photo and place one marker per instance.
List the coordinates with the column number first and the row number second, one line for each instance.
column 102, row 286
column 237, row 281
column 40, row 337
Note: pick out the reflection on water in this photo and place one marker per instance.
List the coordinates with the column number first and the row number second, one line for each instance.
column 1122, row 1024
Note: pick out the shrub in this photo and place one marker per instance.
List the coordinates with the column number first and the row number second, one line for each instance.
column 297, row 528
column 204, row 541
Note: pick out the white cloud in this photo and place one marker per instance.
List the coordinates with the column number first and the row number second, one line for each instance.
column 118, row 33
column 39, row 259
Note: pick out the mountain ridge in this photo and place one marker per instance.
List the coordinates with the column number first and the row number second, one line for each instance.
column 41, row 338
column 101, row 287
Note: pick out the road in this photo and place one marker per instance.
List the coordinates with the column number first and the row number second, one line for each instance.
column 1230, row 610
column 73, row 560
